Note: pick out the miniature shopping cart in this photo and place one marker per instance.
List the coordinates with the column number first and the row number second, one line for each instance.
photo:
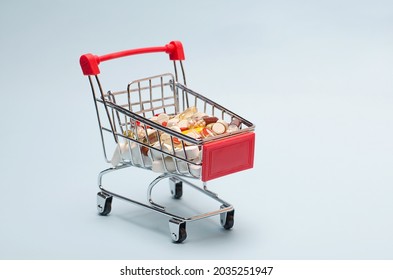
column 129, row 118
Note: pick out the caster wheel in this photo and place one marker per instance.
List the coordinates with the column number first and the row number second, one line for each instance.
column 176, row 188
column 182, row 235
column 227, row 219
column 178, row 230
column 104, row 203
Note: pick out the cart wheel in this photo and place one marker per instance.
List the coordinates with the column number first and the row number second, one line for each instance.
column 227, row 219
column 178, row 230
column 176, row 187
column 182, row 235
column 104, row 203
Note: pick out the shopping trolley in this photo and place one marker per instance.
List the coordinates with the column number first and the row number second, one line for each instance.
column 130, row 117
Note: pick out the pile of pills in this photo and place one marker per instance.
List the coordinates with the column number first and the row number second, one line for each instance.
column 190, row 122
column 196, row 124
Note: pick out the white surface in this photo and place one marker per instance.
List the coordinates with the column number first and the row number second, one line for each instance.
column 314, row 76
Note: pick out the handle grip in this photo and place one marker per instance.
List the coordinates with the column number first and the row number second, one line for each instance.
column 89, row 62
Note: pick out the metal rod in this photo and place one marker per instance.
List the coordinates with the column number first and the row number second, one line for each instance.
column 99, row 119
column 161, row 209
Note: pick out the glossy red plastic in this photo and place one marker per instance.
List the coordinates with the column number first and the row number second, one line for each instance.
column 89, row 62
column 228, row 156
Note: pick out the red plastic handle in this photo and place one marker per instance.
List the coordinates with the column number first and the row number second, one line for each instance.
column 89, row 62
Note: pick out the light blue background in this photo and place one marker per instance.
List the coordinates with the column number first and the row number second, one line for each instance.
column 314, row 76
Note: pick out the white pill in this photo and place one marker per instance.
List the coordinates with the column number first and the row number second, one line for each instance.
column 161, row 166
column 218, row 128
column 123, row 153
column 170, row 164
column 165, row 138
column 162, row 118
column 198, row 116
column 154, row 119
column 224, row 123
column 192, row 152
column 193, row 134
column 116, row 157
column 147, row 161
column 195, row 170
column 135, row 153
column 181, row 165
column 157, row 166
column 183, row 124
column 172, row 122
column 176, row 128
column 163, row 147
column 232, row 128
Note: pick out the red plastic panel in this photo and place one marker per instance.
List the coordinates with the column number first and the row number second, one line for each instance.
column 228, row 156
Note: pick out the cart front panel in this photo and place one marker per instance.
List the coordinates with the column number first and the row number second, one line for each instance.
column 228, row 156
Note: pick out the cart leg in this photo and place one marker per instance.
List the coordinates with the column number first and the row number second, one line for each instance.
column 104, row 203
column 176, row 187
column 227, row 218
column 177, row 229
column 104, row 200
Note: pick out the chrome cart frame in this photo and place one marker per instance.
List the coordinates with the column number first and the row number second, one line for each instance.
column 125, row 116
